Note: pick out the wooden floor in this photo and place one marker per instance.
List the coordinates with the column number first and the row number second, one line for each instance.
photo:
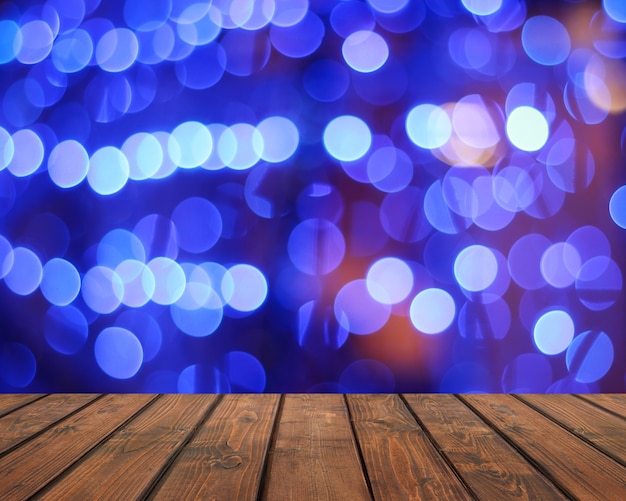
column 300, row 447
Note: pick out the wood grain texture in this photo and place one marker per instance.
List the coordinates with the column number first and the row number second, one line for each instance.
column 401, row 461
column 583, row 471
column 615, row 403
column 489, row 466
column 129, row 461
column 315, row 455
column 29, row 420
column 604, row 430
column 312, row 447
column 25, row 470
column 225, row 459
column 13, row 401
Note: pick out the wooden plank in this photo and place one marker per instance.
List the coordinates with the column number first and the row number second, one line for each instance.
column 580, row 469
column 27, row 469
column 315, row 455
column 31, row 419
column 224, row 460
column 489, row 466
column 400, row 460
column 128, row 463
column 606, row 431
column 615, row 403
column 10, row 402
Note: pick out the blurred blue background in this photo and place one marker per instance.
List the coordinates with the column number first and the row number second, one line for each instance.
column 312, row 196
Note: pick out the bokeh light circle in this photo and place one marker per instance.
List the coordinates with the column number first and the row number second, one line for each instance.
column 198, row 224
column 527, row 128
column 546, row 40
column 117, row 50
column 249, row 287
column 108, row 171
column 68, row 164
column 169, row 278
column 475, row 268
column 102, row 289
column 65, row 329
column 428, row 126
column 347, row 138
column 60, row 283
column 26, row 273
column 118, row 352
column 316, row 246
column 389, row 280
column 190, row 144
column 482, row 7
column 280, row 138
column 615, row 9
column 365, row 51
column 432, row 311
column 18, row 365
column 357, row 311
column 553, row 332
column 590, row 356
column 617, row 207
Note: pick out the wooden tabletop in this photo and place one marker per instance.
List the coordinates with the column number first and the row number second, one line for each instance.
column 317, row 447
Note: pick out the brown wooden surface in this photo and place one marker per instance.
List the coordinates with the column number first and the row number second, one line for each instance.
column 491, row 468
column 301, row 447
column 228, row 453
column 314, row 455
column 583, row 471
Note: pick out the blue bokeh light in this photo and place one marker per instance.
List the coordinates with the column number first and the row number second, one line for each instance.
column 190, row 145
column 33, row 42
column 118, row 352
column 248, row 289
column 72, row 51
column 590, row 356
column 482, row 7
column 108, row 171
column 28, row 153
column 18, row 365
column 169, row 280
column 365, row 51
column 146, row 17
column 102, row 289
column 60, row 283
column 432, row 311
column 316, row 246
column 475, row 268
column 117, row 246
column 615, row 9
column 66, row 329
column 138, row 280
column 617, row 207
column 357, row 311
column 245, row 372
column 280, row 138
column 389, row 280
column 301, row 39
column 428, row 126
column 198, row 224
column 546, row 40
column 26, row 272
column 8, row 31
column 117, row 50
column 553, row 332
column 68, row 164
column 347, row 138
